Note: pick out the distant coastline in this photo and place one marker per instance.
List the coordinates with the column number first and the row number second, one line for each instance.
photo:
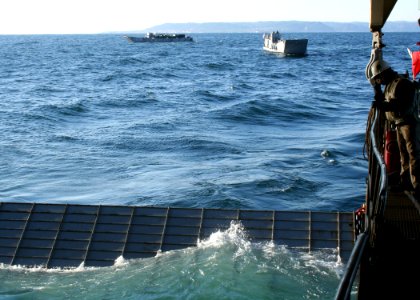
column 283, row 26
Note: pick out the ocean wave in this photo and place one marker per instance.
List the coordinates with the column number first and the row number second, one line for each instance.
column 72, row 108
column 212, row 96
column 220, row 66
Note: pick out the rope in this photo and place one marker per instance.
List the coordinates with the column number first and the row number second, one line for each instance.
column 368, row 127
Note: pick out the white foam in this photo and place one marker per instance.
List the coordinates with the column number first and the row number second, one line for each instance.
column 120, row 261
column 235, row 235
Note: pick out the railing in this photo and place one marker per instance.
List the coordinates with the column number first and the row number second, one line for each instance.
column 376, row 196
column 346, row 283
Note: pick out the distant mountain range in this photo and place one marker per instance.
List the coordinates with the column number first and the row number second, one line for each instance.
column 282, row 26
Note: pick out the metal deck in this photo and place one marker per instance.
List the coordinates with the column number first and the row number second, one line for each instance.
column 65, row 236
column 395, row 260
column 402, row 216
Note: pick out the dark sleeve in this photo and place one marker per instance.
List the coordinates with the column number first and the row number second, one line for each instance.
column 404, row 94
column 389, row 106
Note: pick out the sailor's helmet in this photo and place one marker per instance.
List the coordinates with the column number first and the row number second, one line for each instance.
column 378, row 67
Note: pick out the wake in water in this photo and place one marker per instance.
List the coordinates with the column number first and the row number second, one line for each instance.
column 227, row 265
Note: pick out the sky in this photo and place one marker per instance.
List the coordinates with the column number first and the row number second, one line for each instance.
column 98, row 16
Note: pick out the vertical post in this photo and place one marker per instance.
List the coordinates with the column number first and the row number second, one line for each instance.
column 23, row 232
column 128, row 231
column 56, row 236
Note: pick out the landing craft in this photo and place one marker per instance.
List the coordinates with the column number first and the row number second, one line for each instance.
column 273, row 42
column 151, row 37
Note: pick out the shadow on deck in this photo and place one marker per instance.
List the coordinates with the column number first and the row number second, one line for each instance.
column 393, row 265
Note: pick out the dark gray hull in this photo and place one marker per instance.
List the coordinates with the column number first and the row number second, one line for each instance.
column 133, row 39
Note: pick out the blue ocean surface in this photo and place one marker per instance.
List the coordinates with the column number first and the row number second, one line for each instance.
column 217, row 123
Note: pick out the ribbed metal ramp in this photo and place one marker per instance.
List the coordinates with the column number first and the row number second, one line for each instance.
column 65, row 236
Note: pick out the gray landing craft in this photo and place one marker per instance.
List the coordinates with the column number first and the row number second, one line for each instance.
column 273, row 42
column 160, row 38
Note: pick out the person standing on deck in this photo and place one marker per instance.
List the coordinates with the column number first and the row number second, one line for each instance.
column 398, row 103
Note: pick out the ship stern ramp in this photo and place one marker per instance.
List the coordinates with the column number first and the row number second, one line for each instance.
column 70, row 235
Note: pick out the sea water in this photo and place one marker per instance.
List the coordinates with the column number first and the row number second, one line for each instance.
column 217, row 123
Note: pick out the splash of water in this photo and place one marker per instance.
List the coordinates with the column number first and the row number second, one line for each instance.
column 227, row 265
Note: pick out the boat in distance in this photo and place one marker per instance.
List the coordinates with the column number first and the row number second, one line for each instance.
column 160, row 38
column 273, row 42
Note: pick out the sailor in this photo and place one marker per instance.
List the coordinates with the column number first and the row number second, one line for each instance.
column 276, row 36
column 398, row 103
